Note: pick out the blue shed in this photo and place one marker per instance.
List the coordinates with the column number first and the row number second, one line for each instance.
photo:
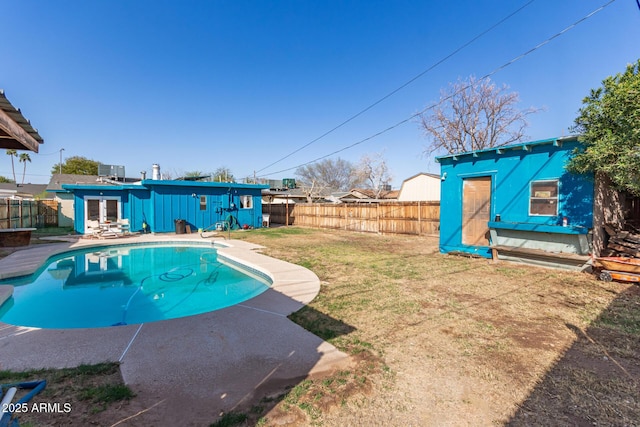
column 159, row 203
column 516, row 201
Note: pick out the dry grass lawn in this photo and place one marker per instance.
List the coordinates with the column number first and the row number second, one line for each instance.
column 449, row 340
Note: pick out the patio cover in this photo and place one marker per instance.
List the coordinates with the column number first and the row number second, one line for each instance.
column 16, row 132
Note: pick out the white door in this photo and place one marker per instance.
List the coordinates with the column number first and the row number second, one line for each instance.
column 101, row 209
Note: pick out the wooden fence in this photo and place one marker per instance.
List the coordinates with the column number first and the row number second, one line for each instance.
column 415, row 218
column 28, row 213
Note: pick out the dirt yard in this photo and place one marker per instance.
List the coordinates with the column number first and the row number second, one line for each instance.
column 449, row 340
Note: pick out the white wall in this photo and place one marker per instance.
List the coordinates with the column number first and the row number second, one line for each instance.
column 421, row 188
column 65, row 212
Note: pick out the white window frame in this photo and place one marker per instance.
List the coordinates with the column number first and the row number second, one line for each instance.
column 552, row 199
column 246, row 202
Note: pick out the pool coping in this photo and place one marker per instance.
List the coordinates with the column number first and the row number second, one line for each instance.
column 210, row 362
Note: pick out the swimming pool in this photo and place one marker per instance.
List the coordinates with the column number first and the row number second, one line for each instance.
column 121, row 285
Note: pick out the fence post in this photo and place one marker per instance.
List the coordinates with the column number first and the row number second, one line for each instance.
column 346, row 217
column 419, row 219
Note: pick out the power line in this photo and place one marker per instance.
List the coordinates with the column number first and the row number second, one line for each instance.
column 486, row 76
column 399, row 88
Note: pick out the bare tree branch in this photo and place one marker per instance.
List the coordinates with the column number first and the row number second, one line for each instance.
column 374, row 172
column 337, row 174
column 474, row 115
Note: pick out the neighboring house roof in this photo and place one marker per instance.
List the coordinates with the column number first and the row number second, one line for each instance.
column 295, row 194
column 16, row 131
column 58, row 179
column 368, row 195
column 432, row 175
column 24, row 190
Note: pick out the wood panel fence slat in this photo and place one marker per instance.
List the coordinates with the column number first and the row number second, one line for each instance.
column 28, row 213
column 416, row 218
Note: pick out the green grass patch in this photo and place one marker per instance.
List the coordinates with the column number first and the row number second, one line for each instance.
column 106, row 393
column 230, row 419
column 89, row 389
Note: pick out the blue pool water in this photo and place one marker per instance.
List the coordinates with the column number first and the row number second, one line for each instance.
column 123, row 285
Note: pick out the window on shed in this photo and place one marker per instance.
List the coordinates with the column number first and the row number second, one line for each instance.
column 246, row 202
column 544, row 198
column 203, row 203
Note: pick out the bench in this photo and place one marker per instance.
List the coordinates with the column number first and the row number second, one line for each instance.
column 540, row 244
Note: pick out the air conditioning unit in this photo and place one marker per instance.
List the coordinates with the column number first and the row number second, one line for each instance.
column 111, row 171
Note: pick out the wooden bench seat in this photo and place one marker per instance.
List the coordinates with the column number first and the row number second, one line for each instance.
column 539, row 256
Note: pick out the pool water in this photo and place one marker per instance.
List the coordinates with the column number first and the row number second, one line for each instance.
column 127, row 285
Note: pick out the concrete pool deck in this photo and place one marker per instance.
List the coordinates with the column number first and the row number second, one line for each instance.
column 186, row 371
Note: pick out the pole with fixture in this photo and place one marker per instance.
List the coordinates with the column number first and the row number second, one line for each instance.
column 60, row 165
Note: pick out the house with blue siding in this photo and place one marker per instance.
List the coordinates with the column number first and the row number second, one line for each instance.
column 159, row 203
column 517, row 202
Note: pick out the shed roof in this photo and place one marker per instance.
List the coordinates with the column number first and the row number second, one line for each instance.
column 432, row 175
column 526, row 146
column 148, row 183
column 16, row 131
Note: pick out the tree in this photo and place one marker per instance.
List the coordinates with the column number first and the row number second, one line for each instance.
column 473, row 115
column 77, row 165
column 336, row 174
column 609, row 127
column 223, row 174
column 13, row 153
column 5, row 180
column 374, row 172
column 193, row 174
column 24, row 158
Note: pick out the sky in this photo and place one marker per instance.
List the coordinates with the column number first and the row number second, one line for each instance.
column 263, row 87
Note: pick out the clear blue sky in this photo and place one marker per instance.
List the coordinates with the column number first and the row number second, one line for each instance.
column 195, row 85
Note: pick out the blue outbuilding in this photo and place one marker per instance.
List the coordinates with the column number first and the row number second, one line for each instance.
column 517, row 202
column 160, row 204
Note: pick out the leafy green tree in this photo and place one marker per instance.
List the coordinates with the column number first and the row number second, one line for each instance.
column 24, row 158
column 13, row 153
column 193, row 174
column 5, row 180
column 77, row 165
column 609, row 125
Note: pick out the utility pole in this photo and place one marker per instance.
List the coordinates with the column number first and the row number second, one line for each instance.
column 60, row 165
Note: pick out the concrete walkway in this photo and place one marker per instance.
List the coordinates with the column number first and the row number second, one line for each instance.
column 186, row 371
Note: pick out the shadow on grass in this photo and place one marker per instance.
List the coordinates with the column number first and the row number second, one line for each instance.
column 597, row 381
